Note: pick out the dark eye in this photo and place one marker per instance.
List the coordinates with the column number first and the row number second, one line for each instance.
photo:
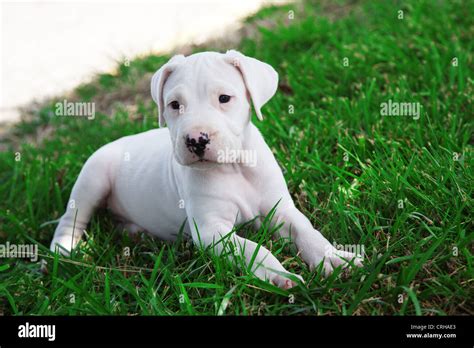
column 223, row 98
column 174, row 105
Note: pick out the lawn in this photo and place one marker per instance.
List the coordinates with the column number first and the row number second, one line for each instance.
column 401, row 186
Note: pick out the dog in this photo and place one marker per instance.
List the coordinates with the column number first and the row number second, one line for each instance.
column 193, row 170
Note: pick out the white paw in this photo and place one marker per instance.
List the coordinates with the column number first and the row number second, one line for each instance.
column 283, row 281
column 64, row 243
column 133, row 231
column 333, row 258
column 130, row 228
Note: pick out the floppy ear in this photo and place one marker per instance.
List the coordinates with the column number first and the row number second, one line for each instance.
column 260, row 78
column 158, row 81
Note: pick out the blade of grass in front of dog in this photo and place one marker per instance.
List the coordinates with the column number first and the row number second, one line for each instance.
column 202, row 285
column 135, row 291
column 225, row 301
column 72, row 285
column 183, row 297
column 54, row 274
column 156, row 266
column 418, row 263
column 414, row 299
column 368, row 282
column 267, row 286
column 44, row 306
column 263, row 231
column 10, row 299
column 107, row 292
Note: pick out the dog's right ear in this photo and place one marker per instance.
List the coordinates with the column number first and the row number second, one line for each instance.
column 158, row 81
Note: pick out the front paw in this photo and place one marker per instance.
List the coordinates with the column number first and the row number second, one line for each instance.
column 64, row 241
column 285, row 282
column 281, row 278
column 332, row 258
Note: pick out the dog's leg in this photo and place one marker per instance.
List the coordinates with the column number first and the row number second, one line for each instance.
column 91, row 188
column 264, row 264
column 312, row 245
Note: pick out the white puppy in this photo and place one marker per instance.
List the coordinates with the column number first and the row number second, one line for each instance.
column 195, row 169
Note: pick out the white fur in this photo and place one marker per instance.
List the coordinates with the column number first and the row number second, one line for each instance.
column 154, row 182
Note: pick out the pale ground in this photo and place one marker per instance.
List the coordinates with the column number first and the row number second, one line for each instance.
column 49, row 47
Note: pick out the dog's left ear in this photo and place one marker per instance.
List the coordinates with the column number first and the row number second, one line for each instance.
column 158, row 81
column 260, row 78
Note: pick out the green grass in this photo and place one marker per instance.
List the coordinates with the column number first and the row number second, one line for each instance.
column 393, row 184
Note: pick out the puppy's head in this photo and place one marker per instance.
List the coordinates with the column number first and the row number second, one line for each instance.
column 205, row 101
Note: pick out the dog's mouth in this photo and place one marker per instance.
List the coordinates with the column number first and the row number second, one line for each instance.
column 203, row 163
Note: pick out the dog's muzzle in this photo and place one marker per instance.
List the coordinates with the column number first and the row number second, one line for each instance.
column 197, row 144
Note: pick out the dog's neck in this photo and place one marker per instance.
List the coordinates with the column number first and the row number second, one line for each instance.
column 251, row 155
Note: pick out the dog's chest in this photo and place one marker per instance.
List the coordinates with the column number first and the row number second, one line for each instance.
column 233, row 195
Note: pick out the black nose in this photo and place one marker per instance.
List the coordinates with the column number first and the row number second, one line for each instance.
column 198, row 146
